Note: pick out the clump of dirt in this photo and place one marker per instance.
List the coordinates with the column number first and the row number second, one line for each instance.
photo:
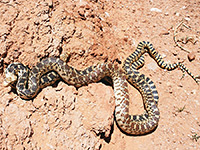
column 64, row 117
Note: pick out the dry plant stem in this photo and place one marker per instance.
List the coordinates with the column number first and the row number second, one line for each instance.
column 175, row 34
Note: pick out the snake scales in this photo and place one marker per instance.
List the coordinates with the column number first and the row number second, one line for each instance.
column 28, row 82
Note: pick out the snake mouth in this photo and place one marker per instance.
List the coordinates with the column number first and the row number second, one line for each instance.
column 6, row 83
column 10, row 79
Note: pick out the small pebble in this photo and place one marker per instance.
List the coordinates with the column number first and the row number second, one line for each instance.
column 184, row 7
column 187, row 18
column 107, row 14
column 125, row 38
column 164, row 32
column 177, row 14
column 191, row 56
column 166, row 14
column 155, row 9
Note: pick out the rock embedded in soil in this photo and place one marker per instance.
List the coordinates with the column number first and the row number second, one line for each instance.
column 191, row 56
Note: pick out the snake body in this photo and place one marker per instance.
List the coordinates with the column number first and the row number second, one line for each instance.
column 28, row 82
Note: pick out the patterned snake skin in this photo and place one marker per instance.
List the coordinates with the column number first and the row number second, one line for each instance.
column 28, row 82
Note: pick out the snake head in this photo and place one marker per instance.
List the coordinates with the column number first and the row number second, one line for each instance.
column 10, row 79
column 12, row 72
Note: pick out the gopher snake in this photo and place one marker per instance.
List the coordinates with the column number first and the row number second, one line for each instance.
column 28, row 82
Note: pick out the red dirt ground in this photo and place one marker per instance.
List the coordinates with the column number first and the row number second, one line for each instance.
column 63, row 117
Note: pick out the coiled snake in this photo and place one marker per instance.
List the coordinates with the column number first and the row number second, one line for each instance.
column 28, row 82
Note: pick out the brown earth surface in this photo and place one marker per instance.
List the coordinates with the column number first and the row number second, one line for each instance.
column 63, row 117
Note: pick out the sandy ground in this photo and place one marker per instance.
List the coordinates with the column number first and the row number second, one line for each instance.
column 63, row 117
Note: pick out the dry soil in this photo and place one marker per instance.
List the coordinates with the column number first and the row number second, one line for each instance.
column 63, row 117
